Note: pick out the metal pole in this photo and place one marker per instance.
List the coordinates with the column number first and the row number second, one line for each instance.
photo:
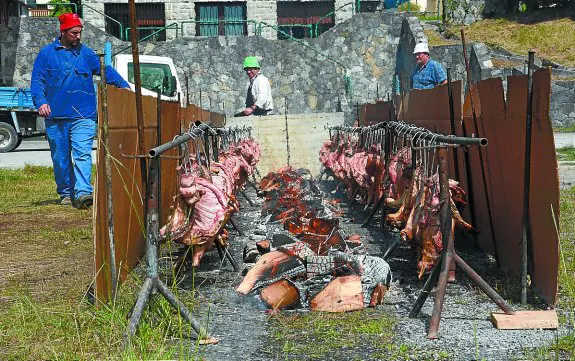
column 527, row 181
column 158, row 142
column 452, row 118
column 138, row 86
column 483, row 165
column 108, row 176
column 152, row 281
column 447, row 240
column 431, row 280
column 490, row 292
column 187, row 89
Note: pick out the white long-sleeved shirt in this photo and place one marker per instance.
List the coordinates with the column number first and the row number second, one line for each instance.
column 262, row 92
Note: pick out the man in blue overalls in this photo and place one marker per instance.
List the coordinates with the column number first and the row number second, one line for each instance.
column 428, row 73
column 63, row 92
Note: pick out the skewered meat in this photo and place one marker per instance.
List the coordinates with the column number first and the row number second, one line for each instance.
column 206, row 200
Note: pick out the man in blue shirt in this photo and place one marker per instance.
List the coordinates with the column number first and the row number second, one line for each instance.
column 428, row 73
column 63, row 92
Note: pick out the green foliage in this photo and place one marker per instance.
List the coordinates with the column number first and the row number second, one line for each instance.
column 408, row 6
column 567, row 154
column 60, row 8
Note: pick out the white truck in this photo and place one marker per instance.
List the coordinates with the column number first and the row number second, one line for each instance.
column 19, row 119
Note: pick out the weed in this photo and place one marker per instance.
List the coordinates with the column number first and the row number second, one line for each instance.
column 567, row 154
column 552, row 40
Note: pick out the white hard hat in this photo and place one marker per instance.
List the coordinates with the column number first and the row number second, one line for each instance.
column 421, row 48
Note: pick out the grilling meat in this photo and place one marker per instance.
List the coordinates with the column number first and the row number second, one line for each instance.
column 206, row 200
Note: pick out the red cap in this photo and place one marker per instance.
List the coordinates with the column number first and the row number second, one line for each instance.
column 69, row 20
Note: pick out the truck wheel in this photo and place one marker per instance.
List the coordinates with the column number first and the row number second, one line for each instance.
column 8, row 138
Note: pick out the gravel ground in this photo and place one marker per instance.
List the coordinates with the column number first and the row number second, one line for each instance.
column 465, row 332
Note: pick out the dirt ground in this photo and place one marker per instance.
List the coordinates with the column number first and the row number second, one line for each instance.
column 43, row 260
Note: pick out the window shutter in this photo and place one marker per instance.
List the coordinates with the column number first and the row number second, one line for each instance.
column 236, row 14
column 209, row 14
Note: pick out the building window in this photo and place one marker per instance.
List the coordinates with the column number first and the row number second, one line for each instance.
column 370, row 6
column 213, row 19
column 304, row 19
column 151, row 17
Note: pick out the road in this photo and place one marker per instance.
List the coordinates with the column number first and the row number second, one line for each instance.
column 32, row 151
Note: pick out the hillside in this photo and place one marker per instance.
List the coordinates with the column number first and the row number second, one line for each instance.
column 550, row 34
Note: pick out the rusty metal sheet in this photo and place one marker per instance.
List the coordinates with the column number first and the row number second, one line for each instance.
column 429, row 108
column 503, row 175
column 370, row 114
column 544, row 193
column 192, row 113
column 126, row 185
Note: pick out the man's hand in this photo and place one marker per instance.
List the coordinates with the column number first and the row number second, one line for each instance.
column 44, row 110
column 248, row 111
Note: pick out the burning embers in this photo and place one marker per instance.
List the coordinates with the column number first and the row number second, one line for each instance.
column 311, row 264
column 206, row 200
column 409, row 185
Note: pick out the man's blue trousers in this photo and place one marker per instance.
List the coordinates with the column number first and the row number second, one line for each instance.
column 71, row 148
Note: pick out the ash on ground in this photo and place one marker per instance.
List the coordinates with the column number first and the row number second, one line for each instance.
column 465, row 330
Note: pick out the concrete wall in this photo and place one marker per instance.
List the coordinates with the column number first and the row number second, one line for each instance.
column 293, row 139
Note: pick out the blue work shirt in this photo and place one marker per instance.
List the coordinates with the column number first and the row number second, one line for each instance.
column 429, row 76
column 62, row 78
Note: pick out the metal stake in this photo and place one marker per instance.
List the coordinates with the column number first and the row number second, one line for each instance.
column 152, row 281
column 527, row 182
column 138, row 86
column 441, row 270
column 108, row 176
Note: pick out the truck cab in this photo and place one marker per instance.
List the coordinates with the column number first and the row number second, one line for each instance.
column 157, row 73
column 19, row 118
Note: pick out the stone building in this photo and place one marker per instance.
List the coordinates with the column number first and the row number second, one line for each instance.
column 188, row 18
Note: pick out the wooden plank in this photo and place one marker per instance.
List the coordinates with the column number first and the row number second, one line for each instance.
column 523, row 320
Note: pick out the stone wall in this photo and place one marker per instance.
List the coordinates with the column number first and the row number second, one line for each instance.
column 9, row 41
column 21, row 41
column 562, row 110
column 348, row 64
column 352, row 63
column 470, row 11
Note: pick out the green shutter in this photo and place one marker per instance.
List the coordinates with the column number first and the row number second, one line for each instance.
column 235, row 14
column 209, row 14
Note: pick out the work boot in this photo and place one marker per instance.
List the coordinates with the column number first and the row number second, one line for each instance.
column 66, row 201
column 83, row 202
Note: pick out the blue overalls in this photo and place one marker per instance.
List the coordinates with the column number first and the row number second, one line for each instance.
column 62, row 78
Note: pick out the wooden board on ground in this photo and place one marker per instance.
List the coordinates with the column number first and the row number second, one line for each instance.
column 523, row 320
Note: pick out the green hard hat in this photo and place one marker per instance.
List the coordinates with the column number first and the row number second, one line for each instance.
column 251, row 62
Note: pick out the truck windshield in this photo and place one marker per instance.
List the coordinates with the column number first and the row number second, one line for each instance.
column 155, row 77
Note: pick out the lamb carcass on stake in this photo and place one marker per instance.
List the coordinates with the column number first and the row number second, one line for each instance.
column 206, row 200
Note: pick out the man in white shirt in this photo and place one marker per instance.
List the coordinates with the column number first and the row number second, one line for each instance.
column 259, row 98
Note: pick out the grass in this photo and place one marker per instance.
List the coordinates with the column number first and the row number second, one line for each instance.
column 46, row 268
column 567, row 154
column 552, row 40
column 435, row 39
column 570, row 129
column 320, row 335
